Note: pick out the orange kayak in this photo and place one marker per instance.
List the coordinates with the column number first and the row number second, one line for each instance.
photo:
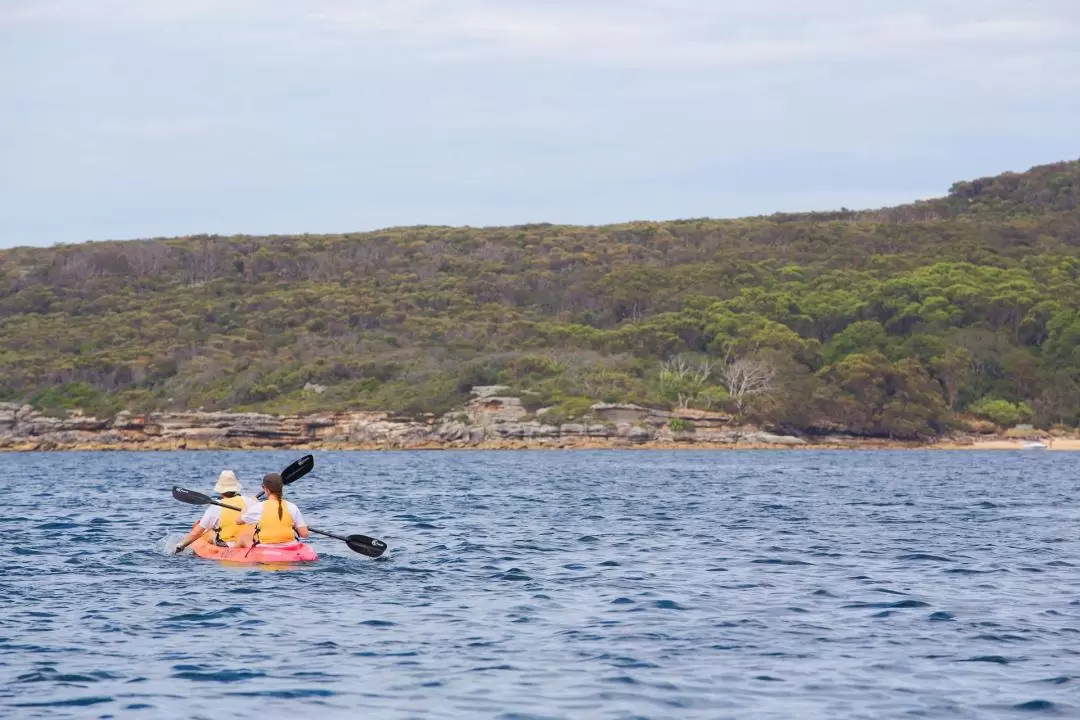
column 204, row 547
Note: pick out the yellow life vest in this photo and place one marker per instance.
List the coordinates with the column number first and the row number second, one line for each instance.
column 270, row 528
column 227, row 527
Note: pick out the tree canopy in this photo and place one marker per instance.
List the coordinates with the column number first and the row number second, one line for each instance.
column 894, row 322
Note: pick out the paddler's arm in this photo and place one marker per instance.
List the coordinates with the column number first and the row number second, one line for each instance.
column 192, row 536
column 299, row 524
column 251, row 515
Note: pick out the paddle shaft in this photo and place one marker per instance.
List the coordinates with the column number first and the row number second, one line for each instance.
column 332, row 535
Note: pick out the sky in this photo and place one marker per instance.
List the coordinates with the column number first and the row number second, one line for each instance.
column 144, row 118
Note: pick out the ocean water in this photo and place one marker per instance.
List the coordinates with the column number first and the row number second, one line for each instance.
column 610, row 584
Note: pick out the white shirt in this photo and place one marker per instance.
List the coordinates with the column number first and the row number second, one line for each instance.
column 254, row 513
column 211, row 519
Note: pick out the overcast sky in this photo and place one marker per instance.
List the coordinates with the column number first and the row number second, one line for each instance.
column 139, row 118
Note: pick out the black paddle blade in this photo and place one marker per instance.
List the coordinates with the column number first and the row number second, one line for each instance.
column 365, row 545
column 297, row 470
column 190, row 496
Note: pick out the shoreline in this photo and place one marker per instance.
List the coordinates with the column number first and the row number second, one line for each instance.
column 995, row 444
column 490, row 421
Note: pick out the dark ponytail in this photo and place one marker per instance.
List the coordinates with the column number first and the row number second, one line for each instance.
column 274, row 485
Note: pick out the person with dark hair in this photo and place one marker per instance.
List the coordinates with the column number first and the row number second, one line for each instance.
column 277, row 521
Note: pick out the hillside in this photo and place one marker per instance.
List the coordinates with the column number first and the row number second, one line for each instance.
column 893, row 322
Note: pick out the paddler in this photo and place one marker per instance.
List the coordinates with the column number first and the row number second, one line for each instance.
column 277, row 521
column 223, row 521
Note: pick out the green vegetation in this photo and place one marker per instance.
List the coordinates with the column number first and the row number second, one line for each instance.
column 897, row 322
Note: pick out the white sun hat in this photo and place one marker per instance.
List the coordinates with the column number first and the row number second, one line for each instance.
column 227, row 482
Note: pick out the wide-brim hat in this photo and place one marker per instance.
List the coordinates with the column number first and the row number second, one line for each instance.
column 227, row 482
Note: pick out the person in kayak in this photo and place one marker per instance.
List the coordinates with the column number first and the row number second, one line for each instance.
column 222, row 520
column 277, row 521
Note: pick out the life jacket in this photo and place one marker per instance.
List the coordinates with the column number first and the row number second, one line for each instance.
column 227, row 529
column 271, row 529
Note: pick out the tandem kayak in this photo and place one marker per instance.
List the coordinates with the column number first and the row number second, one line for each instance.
column 294, row 552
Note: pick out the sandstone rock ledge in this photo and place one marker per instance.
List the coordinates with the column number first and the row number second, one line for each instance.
column 489, row 421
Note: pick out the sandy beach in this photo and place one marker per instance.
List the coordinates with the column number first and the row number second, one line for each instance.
column 1010, row 444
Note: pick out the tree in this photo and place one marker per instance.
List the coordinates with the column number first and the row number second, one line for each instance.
column 684, row 381
column 868, row 395
column 1001, row 412
column 1059, row 403
column 951, row 369
column 1063, row 340
column 862, row 336
column 746, row 378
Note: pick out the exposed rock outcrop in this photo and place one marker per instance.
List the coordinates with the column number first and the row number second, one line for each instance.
column 492, row 418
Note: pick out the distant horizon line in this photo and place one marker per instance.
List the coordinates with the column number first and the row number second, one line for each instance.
column 467, row 226
column 538, row 223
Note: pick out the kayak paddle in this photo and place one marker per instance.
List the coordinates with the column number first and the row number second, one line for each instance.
column 294, row 472
column 357, row 543
column 297, row 470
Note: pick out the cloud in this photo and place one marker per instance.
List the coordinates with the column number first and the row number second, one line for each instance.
column 116, row 12
column 690, row 35
column 636, row 34
column 277, row 114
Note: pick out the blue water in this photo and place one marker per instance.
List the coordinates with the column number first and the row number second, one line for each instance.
column 635, row 584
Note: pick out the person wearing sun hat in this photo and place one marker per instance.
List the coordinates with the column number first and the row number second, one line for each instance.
column 222, row 521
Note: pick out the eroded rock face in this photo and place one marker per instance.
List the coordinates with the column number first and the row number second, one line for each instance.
column 703, row 418
column 619, row 413
column 487, row 410
column 7, row 416
column 490, row 419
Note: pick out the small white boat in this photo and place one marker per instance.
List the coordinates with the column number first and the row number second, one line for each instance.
column 1034, row 445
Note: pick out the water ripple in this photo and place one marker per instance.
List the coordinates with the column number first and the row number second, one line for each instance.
column 533, row 585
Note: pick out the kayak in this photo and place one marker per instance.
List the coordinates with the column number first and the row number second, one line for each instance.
column 294, row 552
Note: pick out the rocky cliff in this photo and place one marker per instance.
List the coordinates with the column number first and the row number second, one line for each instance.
column 490, row 420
